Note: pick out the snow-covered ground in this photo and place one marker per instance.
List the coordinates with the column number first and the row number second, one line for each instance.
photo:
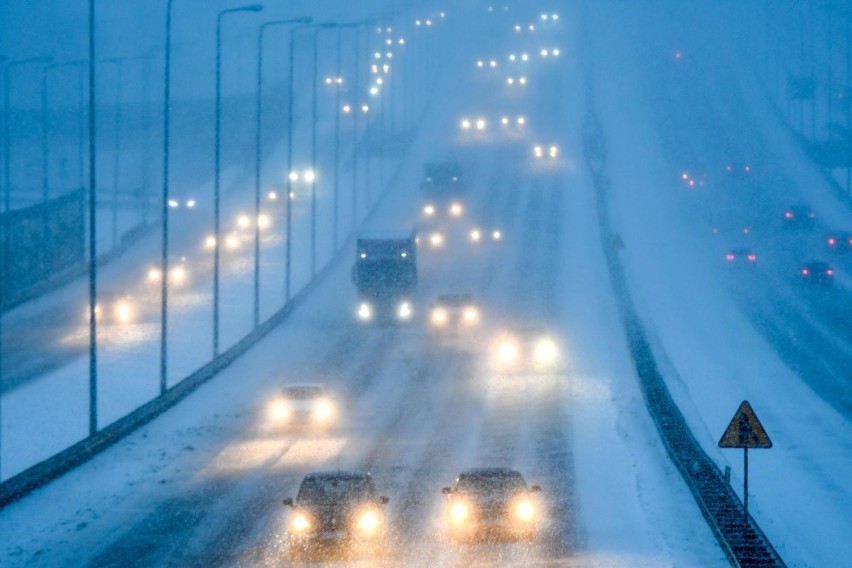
column 671, row 98
column 202, row 484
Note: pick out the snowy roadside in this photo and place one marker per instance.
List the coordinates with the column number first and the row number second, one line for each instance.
column 711, row 354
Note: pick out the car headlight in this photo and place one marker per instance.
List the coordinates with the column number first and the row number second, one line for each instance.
column 475, row 235
column 365, row 312
column 470, row 315
column 456, row 209
column 439, row 316
column 323, row 410
column 123, row 311
column 178, row 275
column 525, row 511
column 436, row 240
column 279, row 410
column 554, row 151
column 538, row 151
column 154, row 275
column 496, row 235
column 300, row 523
column 369, row 522
column 507, row 351
column 545, row 351
column 429, row 210
column 459, row 512
column 404, row 311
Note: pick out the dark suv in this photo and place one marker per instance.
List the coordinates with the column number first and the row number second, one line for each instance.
column 336, row 509
column 492, row 503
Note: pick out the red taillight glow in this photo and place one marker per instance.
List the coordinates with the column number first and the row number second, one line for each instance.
column 832, row 241
column 788, row 215
column 829, row 272
column 805, row 272
column 748, row 168
column 752, row 257
column 729, row 257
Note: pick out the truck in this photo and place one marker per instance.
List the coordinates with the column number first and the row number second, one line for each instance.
column 385, row 276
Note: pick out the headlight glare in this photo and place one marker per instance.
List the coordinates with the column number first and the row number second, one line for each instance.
column 300, row 523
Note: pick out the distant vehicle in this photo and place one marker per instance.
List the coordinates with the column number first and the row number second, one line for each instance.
column 477, row 235
column 799, row 217
column 178, row 272
column 543, row 152
column 336, row 509
column 442, row 180
column 303, row 406
column 114, row 307
column 738, row 170
column 385, row 275
column 817, row 272
column 182, row 203
column 741, row 256
column 694, row 176
column 525, row 349
column 840, row 241
column 454, row 312
column 492, row 503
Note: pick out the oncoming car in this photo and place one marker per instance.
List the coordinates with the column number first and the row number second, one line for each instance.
column 454, row 312
column 525, row 349
column 492, row 503
column 303, row 406
column 336, row 509
column 477, row 235
column 178, row 272
column 543, row 152
column 114, row 308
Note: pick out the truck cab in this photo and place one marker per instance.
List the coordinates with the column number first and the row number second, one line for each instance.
column 385, row 276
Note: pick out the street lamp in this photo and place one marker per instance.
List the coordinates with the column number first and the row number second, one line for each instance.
column 315, row 79
column 289, row 207
column 258, row 111
column 217, row 163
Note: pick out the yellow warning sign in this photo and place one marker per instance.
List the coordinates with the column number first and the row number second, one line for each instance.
column 745, row 430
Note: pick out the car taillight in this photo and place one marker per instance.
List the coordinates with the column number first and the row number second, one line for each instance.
column 729, row 257
column 805, row 272
column 788, row 215
column 829, row 272
column 752, row 257
column 832, row 241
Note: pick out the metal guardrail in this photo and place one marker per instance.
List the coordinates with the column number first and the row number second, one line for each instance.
column 744, row 544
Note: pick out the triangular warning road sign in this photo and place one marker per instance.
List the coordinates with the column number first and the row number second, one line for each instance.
column 745, row 430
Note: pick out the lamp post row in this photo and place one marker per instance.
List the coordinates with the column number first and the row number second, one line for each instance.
column 49, row 65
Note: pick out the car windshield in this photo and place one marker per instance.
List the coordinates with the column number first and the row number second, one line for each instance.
column 491, row 484
column 303, row 393
column 332, row 489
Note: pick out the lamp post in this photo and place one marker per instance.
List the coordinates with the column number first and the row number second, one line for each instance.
column 288, row 254
column 258, row 114
column 217, row 164
column 337, row 106
column 314, row 117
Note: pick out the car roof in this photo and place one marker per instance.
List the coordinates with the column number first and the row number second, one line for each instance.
column 490, row 471
column 526, row 330
column 302, row 386
column 339, row 474
column 817, row 264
